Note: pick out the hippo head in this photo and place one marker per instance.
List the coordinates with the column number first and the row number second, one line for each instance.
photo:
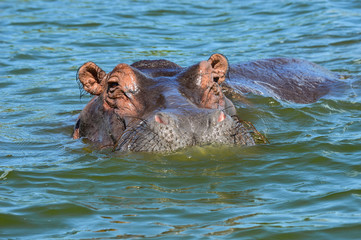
column 159, row 106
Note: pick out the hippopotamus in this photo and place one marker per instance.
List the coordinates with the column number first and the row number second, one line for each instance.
column 159, row 106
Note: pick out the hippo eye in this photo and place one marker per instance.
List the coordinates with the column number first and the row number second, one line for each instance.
column 113, row 84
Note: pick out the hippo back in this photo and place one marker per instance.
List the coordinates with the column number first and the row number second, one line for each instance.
column 288, row 79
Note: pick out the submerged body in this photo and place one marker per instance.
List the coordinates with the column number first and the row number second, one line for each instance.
column 288, row 79
column 160, row 106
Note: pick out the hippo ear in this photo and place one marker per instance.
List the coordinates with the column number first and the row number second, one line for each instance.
column 220, row 67
column 90, row 76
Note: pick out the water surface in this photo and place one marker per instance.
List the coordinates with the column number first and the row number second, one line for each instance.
column 304, row 185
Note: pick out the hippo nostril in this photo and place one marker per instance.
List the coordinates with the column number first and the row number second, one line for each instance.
column 160, row 118
column 217, row 117
column 221, row 117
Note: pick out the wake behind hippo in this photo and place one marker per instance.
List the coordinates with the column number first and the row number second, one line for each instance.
column 158, row 106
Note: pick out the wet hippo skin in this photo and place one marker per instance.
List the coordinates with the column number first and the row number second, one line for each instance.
column 288, row 79
column 158, row 106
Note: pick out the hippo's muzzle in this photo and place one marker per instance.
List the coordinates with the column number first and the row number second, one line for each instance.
column 168, row 131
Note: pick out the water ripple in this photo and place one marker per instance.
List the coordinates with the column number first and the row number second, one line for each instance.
column 303, row 185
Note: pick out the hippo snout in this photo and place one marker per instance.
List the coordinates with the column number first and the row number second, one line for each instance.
column 192, row 123
column 169, row 131
column 195, row 126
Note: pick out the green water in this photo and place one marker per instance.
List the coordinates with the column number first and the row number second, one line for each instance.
column 306, row 184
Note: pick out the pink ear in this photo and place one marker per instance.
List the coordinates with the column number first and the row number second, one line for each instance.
column 90, row 75
column 220, row 67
